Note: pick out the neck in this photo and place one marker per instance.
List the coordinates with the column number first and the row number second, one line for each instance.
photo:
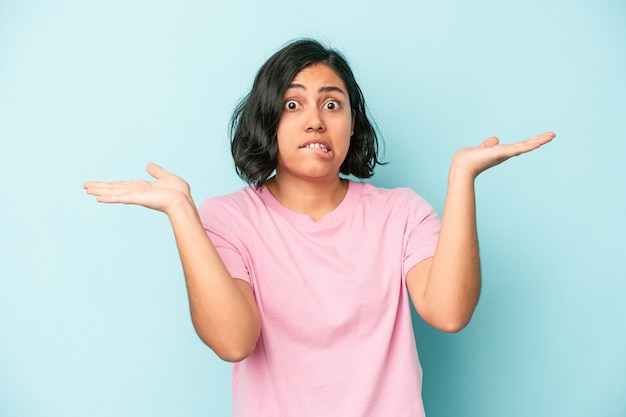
column 313, row 198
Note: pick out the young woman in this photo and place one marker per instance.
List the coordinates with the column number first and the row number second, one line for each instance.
column 304, row 277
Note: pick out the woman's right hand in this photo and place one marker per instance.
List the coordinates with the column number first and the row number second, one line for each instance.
column 165, row 194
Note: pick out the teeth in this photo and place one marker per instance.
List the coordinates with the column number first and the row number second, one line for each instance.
column 317, row 145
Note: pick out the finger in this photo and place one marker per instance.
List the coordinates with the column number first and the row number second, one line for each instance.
column 92, row 187
column 91, row 184
column 123, row 192
column 124, row 198
column 115, row 188
column 544, row 138
column 533, row 143
column 96, row 188
column 156, row 171
column 488, row 143
column 540, row 139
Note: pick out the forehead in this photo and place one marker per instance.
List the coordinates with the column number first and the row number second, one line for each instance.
column 319, row 75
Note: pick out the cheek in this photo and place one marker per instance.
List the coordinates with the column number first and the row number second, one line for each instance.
column 284, row 140
column 347, row 130
column 281, row 134
column 285, row 128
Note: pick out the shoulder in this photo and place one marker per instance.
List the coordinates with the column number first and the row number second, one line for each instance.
column 400, row 206
column 230, row 207
column 238, row 197
column 391, row 196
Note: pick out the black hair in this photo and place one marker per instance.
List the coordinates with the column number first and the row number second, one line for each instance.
column 254, row 123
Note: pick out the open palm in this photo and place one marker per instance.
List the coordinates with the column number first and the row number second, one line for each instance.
column 163, row 194
column 491, row 152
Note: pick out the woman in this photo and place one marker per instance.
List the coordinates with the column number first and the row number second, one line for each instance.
column 303, row 278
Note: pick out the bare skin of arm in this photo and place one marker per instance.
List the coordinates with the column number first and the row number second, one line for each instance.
column 445, row 288
column 223, row 309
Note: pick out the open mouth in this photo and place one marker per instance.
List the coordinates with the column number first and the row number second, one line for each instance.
column 317, row 146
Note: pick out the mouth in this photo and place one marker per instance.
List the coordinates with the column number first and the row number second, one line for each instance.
column 317, row 145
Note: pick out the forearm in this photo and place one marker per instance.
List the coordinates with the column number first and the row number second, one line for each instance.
column 224, row 318
column 452, row 288
column 445, row 289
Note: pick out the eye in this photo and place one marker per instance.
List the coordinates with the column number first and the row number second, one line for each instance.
column 292, row 105
column 331, row 105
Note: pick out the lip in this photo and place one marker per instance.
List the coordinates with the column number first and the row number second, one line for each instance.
column 328, row 155
column 320, row 141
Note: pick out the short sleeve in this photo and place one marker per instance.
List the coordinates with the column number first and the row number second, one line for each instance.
column 421, row 233
column 219, row 228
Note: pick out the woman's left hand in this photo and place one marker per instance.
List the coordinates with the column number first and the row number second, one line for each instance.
column 491, row 153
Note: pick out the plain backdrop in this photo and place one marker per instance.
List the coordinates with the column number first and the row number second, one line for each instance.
column 93, row 312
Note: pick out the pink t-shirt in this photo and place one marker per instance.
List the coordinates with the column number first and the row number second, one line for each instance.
column 336, row 337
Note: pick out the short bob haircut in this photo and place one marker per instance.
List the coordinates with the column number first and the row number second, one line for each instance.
column 254, row 123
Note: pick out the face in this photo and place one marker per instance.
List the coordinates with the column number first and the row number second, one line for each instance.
column 315, row 125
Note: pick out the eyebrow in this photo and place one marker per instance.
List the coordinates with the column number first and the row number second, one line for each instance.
column 324, row 89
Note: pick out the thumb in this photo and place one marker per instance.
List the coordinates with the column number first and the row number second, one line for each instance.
column 156, row 171
column 488, row 143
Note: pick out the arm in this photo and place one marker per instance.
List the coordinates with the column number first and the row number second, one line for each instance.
column 446, row 287
column 223, row 309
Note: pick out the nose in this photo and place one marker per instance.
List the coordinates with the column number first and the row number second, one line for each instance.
column 314, row 122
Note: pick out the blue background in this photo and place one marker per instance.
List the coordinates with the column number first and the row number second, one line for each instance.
column 93, row 310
